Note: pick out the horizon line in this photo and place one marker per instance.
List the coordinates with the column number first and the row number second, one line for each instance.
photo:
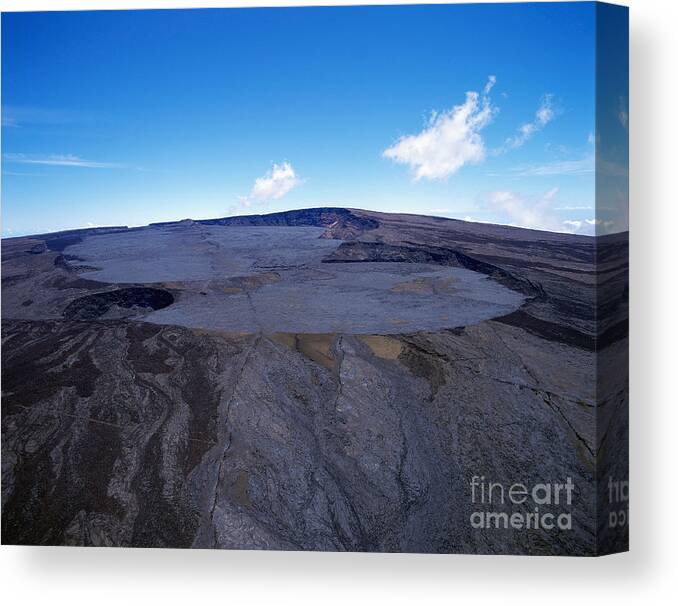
column 349, row 208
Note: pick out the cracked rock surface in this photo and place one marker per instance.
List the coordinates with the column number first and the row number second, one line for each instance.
column 140, row 420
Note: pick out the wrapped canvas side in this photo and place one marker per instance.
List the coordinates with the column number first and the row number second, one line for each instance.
column 612, row 276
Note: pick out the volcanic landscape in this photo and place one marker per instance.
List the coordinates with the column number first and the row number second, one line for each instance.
column 323, row 379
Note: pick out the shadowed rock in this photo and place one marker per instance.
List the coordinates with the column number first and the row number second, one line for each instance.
column 97, row 305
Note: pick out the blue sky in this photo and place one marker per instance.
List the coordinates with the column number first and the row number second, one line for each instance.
column 129, row 117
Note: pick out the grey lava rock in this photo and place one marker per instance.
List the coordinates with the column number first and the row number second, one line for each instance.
column 183, row 401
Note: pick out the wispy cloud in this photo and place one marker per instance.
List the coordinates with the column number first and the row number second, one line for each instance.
column 491, row 81
column 537, row 212
column 544, row 114
column 622, row 112
column 449, row 140
column 57, row 160
column 13, row 173
column 526, row 212
column 588, row 226
column 19, row 116
column 581, row 166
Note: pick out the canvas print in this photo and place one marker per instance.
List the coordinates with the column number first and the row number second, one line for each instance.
column 317, row 278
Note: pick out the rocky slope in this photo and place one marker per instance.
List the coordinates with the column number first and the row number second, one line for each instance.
column 118, row 431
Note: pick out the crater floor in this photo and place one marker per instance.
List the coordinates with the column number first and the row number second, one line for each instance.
column 273, row 279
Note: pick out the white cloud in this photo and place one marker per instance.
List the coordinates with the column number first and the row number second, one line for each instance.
column 491, row 81
column 277, row 182
column 588, row 226
column 474, row 220
column 58, row 160
column 544, row 114
column 537, row 213
column 524, row 212
column 450, row 139
column 574, row 224
column 551, row 193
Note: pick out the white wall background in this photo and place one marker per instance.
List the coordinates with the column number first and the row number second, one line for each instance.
column 645, row 575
